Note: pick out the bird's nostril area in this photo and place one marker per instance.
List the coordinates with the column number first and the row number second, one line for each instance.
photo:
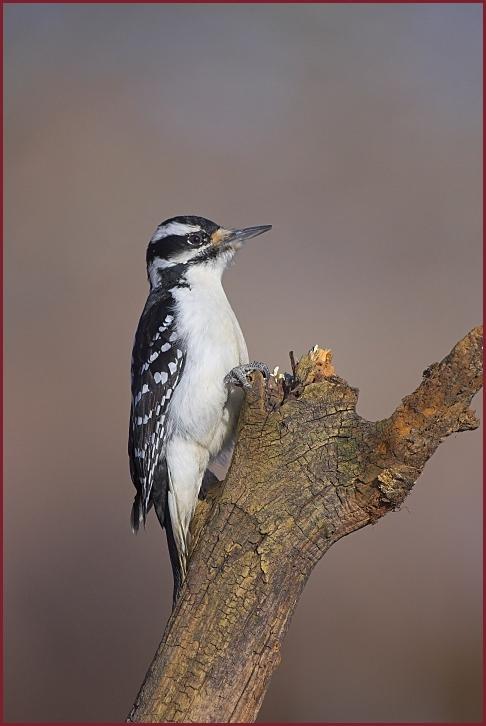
column 219, row 236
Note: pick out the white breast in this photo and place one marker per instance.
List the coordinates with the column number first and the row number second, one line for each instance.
column 214, row 344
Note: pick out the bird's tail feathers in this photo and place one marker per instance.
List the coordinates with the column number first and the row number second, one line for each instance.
column 178, row 538
column 160, row 500
column 175, row 561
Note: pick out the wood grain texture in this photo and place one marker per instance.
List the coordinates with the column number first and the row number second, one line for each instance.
column 307, row 470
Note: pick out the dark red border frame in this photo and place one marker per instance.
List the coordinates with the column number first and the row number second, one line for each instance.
column 197, row 2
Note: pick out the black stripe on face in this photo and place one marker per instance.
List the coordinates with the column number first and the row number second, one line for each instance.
column 210, row 253
column 167, row 248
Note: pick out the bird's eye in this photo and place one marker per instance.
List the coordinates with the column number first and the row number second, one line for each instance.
column 195, row 240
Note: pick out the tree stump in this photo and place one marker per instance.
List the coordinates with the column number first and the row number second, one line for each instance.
column 306, row 470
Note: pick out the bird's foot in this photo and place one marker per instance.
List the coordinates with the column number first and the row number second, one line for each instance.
column 238, row 376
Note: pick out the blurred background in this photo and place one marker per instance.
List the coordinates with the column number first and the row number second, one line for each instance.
column 356, row 131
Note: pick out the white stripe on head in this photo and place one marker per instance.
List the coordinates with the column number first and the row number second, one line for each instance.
column 177, row 228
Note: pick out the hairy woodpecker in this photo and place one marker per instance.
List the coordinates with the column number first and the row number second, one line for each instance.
column 189, row 357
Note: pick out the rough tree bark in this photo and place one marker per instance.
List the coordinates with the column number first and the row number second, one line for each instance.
column 307, row 470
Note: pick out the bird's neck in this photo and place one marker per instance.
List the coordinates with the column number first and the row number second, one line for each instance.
column 184, row 275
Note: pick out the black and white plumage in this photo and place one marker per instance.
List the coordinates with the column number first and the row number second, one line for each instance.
column 188, row 340
column 156, row 366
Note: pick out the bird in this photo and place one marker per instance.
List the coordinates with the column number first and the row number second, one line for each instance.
column 189, row 365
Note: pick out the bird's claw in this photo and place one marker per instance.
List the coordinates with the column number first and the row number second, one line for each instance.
column 238, row 376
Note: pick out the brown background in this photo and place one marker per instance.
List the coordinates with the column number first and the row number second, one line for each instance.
column 356, row 132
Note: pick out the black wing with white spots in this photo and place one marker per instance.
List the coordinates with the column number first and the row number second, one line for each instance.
column 157, row 364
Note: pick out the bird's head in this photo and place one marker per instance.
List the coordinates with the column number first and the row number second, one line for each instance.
column 191, row 241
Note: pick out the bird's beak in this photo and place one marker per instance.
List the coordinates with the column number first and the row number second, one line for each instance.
column 237, row 236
